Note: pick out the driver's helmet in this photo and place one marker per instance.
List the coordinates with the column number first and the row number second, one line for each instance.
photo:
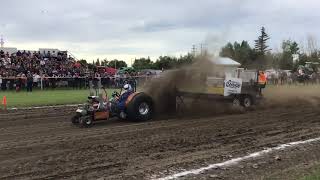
column 127, row 87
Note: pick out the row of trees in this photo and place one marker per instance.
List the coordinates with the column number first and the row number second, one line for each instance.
column 289, row 57
column 163, row 62
column 260, row 56
column 113, row 63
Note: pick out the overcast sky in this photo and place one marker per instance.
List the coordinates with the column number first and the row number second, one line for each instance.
column 125, row 29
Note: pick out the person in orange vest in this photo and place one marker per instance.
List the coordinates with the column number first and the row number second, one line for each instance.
column 262, row 80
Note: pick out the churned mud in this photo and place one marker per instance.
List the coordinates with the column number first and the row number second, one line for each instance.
column 42, row 144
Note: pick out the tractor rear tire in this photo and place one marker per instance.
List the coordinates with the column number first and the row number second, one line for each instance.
column 140, row 108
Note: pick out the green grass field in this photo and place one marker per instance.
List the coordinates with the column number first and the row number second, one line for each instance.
column 315, row 175
column 47, row 97
column 312, row 177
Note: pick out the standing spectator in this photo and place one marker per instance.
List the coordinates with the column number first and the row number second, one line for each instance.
column 133, row 83
column 19, row 53
column 4, row 82
column 36, row 79
column 108, row 81
column 69, row 79
column 46, row 81
column 29, row 81
column 54, row 79
column 95, row 80
column 0, row 80
column 23, row 80
column 75, row 81
column 11, row 83
column 2, row 55
column 18, row 82
column 42, row 63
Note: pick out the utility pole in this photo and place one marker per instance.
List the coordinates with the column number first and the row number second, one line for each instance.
column 203, row 48
column 105, row 60
column 194, row 50
column 1, row 41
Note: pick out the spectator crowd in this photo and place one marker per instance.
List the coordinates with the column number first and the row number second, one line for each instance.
column 26, row 70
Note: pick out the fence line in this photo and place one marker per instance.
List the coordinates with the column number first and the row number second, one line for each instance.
column 12, row 83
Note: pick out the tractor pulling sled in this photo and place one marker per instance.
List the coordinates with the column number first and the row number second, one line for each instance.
column 242, row 90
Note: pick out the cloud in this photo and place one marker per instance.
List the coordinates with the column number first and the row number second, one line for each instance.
column 127, row 28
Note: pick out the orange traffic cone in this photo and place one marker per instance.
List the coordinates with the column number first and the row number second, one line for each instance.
column 4, row 102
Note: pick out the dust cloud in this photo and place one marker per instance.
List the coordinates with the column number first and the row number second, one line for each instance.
column 192, row 77
column 188, row 78
column 292, row 95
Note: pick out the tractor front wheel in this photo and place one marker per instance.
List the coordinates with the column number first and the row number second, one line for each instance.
column 85, row 121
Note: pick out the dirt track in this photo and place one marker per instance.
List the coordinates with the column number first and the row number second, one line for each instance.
column 42, row 144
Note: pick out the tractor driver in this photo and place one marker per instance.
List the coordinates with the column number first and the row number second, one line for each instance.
column 124, row 96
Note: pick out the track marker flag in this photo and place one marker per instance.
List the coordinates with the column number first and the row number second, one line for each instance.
column 4, row 102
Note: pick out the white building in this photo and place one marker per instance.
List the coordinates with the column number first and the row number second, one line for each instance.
column 45, row 51
column 9, row 50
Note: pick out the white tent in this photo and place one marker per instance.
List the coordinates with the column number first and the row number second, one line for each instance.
column 227, row 65
column 226, row 62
